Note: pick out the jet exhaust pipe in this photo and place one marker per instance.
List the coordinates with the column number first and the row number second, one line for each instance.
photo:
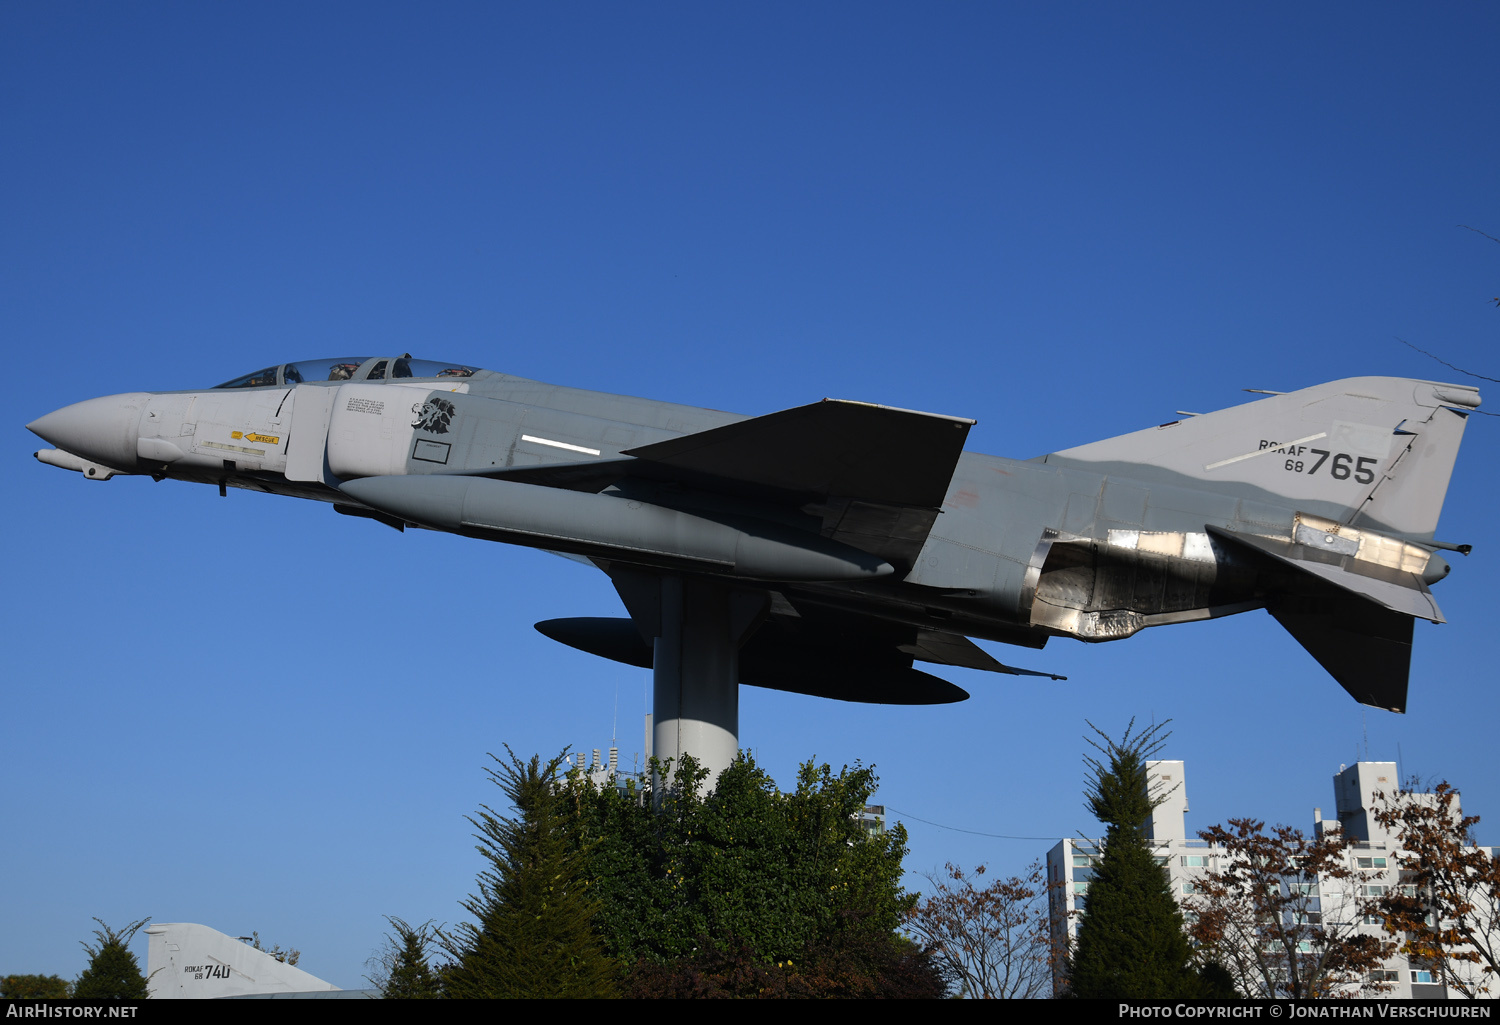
column 613, row 527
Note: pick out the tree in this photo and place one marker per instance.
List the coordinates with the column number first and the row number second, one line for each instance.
column 402, row 969
column 534, row 935
column 113, row 972
column 1447, row 909
column 289, row 956
column 992, row 942
column 35, row 987
column 1130, row 939
column 1281, row 914
column 852, row 965
column 778, row 871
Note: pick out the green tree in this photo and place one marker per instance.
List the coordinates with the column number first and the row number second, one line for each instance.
column 402, row 968
column 35, row 987
column 1131, row 943
column 113, row 972
column 534, row 932
column 748, row 890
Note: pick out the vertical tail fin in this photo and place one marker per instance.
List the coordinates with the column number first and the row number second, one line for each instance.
column 194, row 961
column 1373, row 452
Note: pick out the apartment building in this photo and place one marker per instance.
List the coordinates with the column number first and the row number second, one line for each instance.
column 1372, row 860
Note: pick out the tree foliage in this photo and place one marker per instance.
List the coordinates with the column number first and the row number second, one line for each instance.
column 288, row 956
column 676, row 890
column 1447, row 913
column 1131, row 943
column 113, row 972
column 778, row 871
column 748, row 890
column 1269, row 915
column 534, row 933
column 993, row 941
column 35, row 987
column 402, row 969
column 854, row 964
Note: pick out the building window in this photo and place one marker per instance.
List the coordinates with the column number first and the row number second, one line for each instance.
column 1382, row 975
column 1372, row 890
column 1421, row 977
column 1370, row 862
column 1195, row 861
column 1189, row 887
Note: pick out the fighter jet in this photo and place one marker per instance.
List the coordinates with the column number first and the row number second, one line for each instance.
column 824, row 549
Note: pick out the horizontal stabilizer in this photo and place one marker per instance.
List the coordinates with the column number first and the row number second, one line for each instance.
column 1385, row 586
column 1367, row 649
column 831, row 448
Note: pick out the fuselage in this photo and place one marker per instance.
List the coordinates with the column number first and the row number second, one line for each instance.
column 1021, row 550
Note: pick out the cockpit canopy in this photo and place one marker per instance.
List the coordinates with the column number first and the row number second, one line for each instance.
column 350, row 368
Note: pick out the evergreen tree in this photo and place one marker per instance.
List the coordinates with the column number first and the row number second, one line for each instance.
column 404, row 972
column 1131, row 943
column 534, row 935
column 113, row 972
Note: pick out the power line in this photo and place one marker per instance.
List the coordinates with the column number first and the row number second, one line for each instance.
column 971, row 832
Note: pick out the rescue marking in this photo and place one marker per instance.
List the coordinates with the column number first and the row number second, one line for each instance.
column 561, row 444
column 358, row 405
column 1264, row 449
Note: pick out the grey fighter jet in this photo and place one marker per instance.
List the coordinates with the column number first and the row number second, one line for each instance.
column 824, row 549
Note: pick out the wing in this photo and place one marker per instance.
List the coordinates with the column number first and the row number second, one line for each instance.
column 874, row 476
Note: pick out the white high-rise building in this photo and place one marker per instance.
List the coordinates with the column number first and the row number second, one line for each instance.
column 1372, row 859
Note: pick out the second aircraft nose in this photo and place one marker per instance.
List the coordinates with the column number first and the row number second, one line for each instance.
column 103, row 429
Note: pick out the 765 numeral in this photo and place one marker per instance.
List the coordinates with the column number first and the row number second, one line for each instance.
column 1362, row 468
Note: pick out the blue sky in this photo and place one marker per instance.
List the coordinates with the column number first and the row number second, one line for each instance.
column 1063, row 220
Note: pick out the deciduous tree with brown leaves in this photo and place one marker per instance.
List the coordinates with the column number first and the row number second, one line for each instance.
column 992, row 942
column 1447, row 913
column 1282, row 914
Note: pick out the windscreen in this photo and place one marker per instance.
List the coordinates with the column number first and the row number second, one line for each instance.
column 350, row 368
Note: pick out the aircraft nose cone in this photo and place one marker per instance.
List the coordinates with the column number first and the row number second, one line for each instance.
column 103, row 430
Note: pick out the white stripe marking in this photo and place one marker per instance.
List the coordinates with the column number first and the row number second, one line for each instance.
column 576, row 448
column 1263, row 451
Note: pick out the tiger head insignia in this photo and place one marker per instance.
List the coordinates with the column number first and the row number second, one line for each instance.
column 433, row 416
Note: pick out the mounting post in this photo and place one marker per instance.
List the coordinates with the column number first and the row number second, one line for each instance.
column 695, row 627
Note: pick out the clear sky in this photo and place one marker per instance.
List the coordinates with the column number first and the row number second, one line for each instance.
column 1064, row 220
